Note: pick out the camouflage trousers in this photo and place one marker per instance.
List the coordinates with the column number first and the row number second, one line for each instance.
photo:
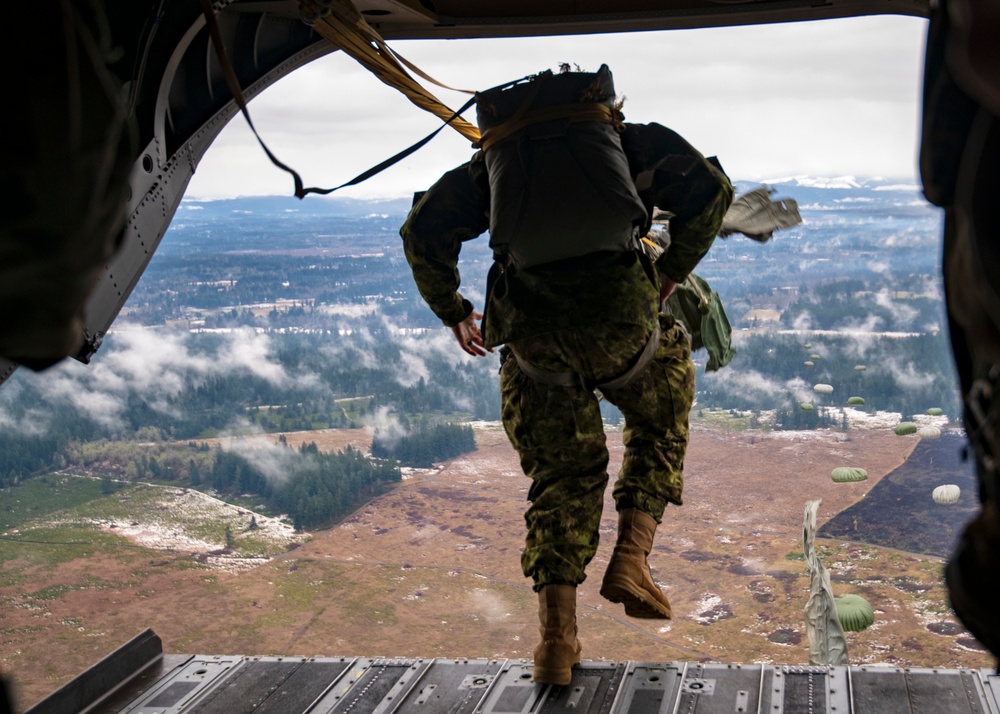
column 559, row 435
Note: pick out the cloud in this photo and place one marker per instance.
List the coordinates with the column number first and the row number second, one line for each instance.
column 157, row 365
column 751, row 381
column 14, row 417
column 275, row 460
column 852, row 326
column 388, row 426
column 908, row 377
column 803, row 321
column 903, row 314
column 412, row 369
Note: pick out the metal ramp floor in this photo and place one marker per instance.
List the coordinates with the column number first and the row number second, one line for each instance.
column 215, row 684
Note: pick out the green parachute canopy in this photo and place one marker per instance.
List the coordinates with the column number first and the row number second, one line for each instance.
column 935, row 411
column 813, row 356
column 806, row 407
column 822, row 388
column 856, row 400
column 808, row 345
column 848, row 474
column 948, row 493
column 929, row 432
column 854, row 613
column 905, row 427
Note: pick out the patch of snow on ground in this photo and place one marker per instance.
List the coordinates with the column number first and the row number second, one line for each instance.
column 163, row 528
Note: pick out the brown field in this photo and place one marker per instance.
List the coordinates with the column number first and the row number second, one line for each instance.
column 432, row 569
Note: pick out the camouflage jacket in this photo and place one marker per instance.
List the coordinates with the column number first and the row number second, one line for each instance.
column 620, row 287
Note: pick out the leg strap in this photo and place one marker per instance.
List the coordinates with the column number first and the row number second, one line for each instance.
column 572, row 379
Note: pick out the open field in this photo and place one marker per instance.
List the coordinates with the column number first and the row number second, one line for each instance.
column 432, row 569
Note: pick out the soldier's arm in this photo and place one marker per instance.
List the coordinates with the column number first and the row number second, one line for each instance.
column 453, row 210
column 675, row 177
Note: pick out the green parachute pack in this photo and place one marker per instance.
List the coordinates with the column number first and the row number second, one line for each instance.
column 695, row 304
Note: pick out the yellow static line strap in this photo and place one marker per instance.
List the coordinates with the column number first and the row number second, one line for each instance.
column 347, row 29
column 569, row 112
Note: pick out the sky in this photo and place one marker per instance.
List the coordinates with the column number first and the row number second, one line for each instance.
column 822, row 98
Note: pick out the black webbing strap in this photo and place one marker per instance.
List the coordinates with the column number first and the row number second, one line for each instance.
column 572, row 379
column 234, row 87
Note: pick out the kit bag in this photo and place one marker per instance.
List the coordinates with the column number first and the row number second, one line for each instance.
column 560, row 185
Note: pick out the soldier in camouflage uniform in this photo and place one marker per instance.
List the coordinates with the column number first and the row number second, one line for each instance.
column 589, row 316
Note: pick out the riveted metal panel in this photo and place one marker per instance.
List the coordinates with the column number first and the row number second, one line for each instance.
column 177, row 692
column 592, row 690
column 248, row 687
column 514, row 692
column 799, row 690
column 304, row 686
column 721, row 689
column 650, row 688
column 941, row 691
column 366, row 686
column 451, row 686
column 879, row 690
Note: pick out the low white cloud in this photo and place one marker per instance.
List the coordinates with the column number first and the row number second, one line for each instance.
column 157, row 365
column 803, row 321
column 275, row 460
column 903, row 314
column 753, row 382
column 907, row 375
column 388, row 426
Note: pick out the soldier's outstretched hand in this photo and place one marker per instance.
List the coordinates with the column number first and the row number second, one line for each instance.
column 470, row 339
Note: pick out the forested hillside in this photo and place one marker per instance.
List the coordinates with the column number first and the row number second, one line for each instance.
column 273, row 315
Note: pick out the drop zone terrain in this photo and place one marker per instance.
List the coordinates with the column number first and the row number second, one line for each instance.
column 431, row 568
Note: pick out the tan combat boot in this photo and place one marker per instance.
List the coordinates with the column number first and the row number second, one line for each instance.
column 559, row 649
column 627, row 579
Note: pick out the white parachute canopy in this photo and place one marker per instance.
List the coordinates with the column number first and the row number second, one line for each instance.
column 929, row 432
column 948, row 493
column 823, row 388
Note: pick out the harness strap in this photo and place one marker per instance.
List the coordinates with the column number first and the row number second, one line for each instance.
column 570, row 112
column 572, row 379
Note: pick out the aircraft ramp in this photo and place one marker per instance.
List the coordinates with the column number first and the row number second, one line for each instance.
column 139, row 679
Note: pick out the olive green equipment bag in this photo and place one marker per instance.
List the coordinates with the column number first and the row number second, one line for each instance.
column 699, row 308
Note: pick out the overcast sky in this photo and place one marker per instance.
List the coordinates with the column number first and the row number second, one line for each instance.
column 826, row 98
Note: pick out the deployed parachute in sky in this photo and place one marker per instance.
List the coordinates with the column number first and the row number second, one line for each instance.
column 854, row 613
column 905, row 427
column 948, row 493
column 929, row 432
column 806, row 407
column 856, row 400
column 859, row 368
column 848, row 474
column 935, row 411
column 823, row 388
